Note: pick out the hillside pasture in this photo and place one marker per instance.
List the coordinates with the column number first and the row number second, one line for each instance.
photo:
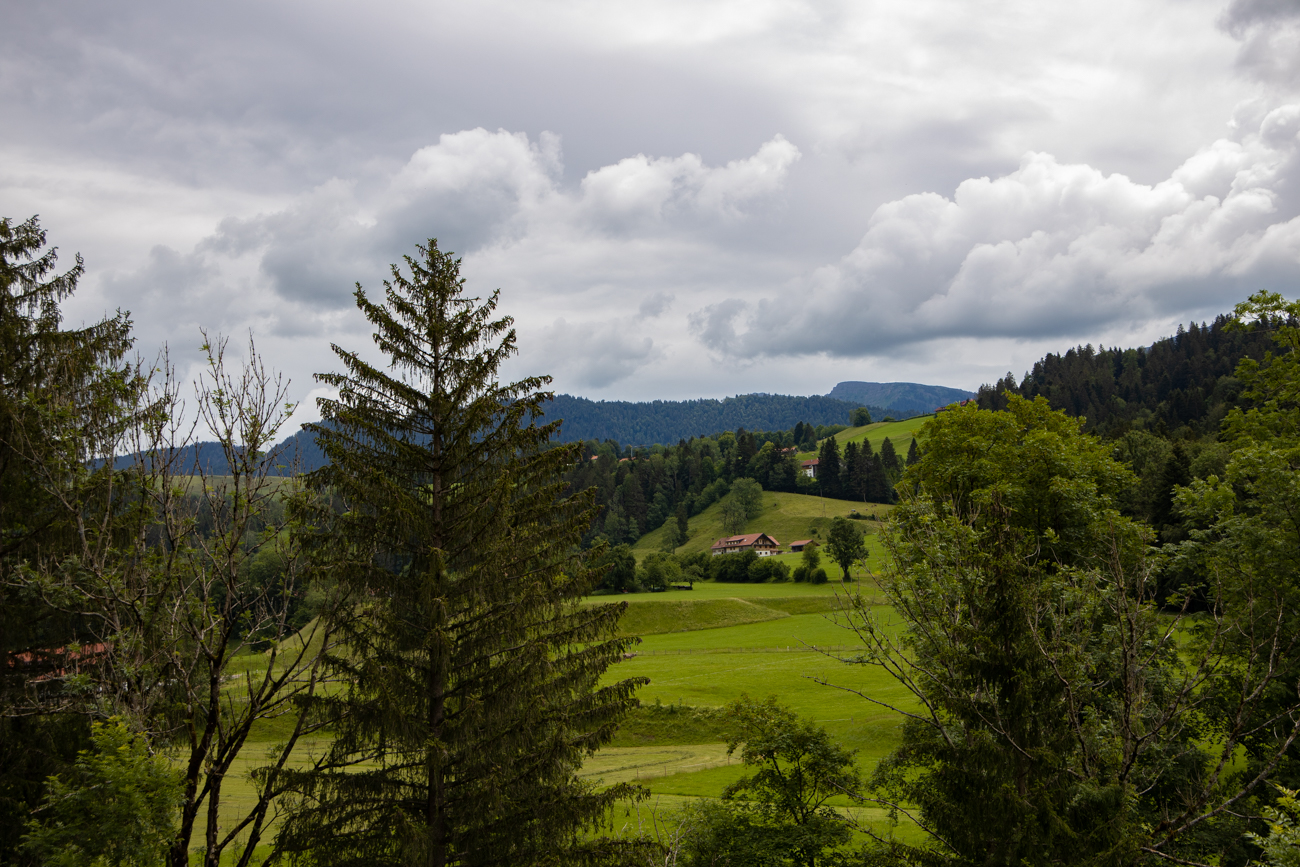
column 787, row 517
column 702, row 649
column 800, row 658
column 900, row 433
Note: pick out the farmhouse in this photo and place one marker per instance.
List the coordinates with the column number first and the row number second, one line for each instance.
column 800, row 545
column 810, row 468
column 760, row 543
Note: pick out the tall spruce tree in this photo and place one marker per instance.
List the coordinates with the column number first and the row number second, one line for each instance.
column 851, row 475
column 889, row 460
column 63, row 393
column 471, row 672
column 828, row 468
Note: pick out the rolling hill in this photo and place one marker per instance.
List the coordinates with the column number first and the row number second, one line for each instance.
column 899, row 398
column 667, row 421
column 900, row 433
column 788, row 517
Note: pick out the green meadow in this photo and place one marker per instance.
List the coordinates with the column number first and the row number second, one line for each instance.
column 787, row 517
column 674, row 745
column 900, row 433
column 700, row 649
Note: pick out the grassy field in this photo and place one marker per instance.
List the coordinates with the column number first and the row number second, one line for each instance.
column 900, row 433
column 701, row 649
column 806, row 660
column 787, row 517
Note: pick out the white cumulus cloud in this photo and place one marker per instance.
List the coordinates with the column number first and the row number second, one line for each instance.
column 1049, row 249
column 575, row 260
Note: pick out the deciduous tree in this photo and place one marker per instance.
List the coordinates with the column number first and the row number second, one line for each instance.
column 1063, row 716
column 784, row 818
column 116, row 805
column 734, row 516
column 749, row 494
column 844, row 544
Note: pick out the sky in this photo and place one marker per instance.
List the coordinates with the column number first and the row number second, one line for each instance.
column 675, row 199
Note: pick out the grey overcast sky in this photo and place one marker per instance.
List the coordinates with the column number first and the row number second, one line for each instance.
column 676, row 199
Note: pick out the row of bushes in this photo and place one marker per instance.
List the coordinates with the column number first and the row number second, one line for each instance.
column 660, row 571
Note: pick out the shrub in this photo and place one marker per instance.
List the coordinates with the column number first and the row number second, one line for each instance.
column 733, row 568
column 766, row 569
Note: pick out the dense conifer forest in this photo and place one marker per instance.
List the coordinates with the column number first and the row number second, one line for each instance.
column 668, row 421
column 1183, row 384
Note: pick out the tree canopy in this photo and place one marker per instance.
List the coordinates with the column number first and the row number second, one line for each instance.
column 471, row 673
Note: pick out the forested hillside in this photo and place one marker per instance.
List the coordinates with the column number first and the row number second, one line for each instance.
column 667, row 421
column 626, row 423
column 900, row 398
column 639, row 490
column 296, row 454
column 1184, row 381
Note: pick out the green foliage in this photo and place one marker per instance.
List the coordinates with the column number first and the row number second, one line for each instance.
column 750, row 496
column 844, row 544
column 734, row 517
column 682, row 528
column 1245, row 541
column 860, row 417
column 1182, row 382
column 471, row 673
column 1281, row 846
column 65, row 395
column 1055, row 725
column 658, row 571
column 116, row 806
column 828, row 468
column 620, row 569
column 778, row 814
column 766, row 569
column 733, row 568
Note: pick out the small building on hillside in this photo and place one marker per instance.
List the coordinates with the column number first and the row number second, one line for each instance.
column 801, row 544
column 810, row 468
column 760, row 543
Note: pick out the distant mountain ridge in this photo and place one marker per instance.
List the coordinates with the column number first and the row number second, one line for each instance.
column 632, row 423
column 911, row 398
column 298, row 453
column 667, row 421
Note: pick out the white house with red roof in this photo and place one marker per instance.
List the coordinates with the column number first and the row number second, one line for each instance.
column 760, row 543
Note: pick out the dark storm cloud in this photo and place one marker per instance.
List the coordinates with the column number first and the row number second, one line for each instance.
column 1244, row 14
column 736, row 181
column 1269, row 31
column 284, row 94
